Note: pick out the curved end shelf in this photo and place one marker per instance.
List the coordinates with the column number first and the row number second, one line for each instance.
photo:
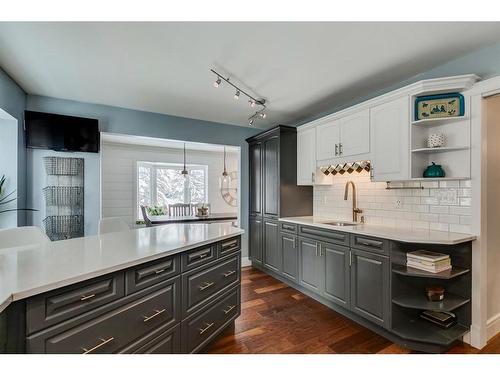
column 437, row 121
column 449, row 274
column 422, row 331
column 420, row 302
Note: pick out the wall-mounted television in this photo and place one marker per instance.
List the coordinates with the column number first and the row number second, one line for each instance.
column 61, row 133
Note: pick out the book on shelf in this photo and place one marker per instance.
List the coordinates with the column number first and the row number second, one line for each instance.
column 433, row 269
column 443, row 319
column 428, row 256
column 424, row 263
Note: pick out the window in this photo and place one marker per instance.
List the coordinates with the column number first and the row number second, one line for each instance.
column 162, row 184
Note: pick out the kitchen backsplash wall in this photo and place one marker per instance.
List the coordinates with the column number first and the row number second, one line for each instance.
column 443, row 205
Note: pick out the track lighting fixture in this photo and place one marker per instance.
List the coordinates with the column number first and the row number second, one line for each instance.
column 251, row 100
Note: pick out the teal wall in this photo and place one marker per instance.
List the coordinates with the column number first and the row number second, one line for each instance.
column 13, row 101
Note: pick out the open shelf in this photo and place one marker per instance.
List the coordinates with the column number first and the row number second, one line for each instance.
column 449, row 274
column 427, row 150
column 419, row 330
column 419, row 301
column 437, row 121
column 439, row 178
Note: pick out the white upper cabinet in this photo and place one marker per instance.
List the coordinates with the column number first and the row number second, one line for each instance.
column 355, row 134
column 327, row 140
column 390, row 144
column 306, row 156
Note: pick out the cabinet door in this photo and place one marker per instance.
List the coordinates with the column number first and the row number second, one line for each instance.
column 272, row 254
column 370, row 286
column 390, row 143
column 255, row 156
column 256, row 239
column 271, row 176
column 306, row 156
column 337, row 274
column 355, row 134
column 327, row 136
column 310, row 275
column 290, row 255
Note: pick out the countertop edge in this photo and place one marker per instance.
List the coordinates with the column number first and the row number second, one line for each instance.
column 16, row 296
column 466, row 237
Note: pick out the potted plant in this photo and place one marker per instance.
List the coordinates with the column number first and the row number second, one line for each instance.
column 7, row 198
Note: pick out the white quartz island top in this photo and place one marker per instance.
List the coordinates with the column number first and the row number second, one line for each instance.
column 29, row 270
column 396, row 234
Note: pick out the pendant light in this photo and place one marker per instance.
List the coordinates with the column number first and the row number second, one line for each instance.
column 184, row 171
column 225, row 176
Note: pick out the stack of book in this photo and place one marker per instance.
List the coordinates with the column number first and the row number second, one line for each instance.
column 428, row 261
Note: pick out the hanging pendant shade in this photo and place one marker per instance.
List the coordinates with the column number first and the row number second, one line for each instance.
column 225, row 175
column 184, row 171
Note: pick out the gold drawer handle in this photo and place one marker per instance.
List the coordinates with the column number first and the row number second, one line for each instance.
column 102, row 343
column 157, row 312
column 160, row 271
column 227, row 274
column 207, row 326
column 203, row 255
column 85, row 298
column 229, row 309
column 206, row 285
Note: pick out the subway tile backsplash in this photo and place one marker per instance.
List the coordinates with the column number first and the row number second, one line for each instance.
column 443, row 205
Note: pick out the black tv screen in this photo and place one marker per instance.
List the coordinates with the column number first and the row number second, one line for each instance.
column 61, row 133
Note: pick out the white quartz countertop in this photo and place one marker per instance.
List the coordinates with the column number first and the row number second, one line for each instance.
column 396, row 234
column 29, row 270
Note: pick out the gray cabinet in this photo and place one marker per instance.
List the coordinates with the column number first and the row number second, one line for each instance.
column 290, row 256
column 255, row 155
column 310, row 267
column 336, row 287
column 255, row 238
column 370, row 289
column 272, row 253
column 271, row 176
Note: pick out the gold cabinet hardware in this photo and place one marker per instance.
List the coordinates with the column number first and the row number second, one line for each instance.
column 206, row 285
column 203, row 255
column 102, row 343
column 85, row 298
column 229, row 273
column 160, row 271
column 157, row 312
column 229, row 309
column 207, row 326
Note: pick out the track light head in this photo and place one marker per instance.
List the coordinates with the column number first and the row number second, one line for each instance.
column 237, row 95
column 252, row 103
column 263, row 115
column 250, row 122
column 217, row 82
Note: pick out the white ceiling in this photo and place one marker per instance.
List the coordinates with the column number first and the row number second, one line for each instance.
column 302, row 69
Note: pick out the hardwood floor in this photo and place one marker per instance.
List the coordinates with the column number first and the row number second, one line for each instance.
column 278, row 319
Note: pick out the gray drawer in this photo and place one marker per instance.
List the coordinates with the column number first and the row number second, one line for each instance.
column 116, row 329
column 203, row 327
column 198, row 257
column 372, row 244
column 288, row 227
column 47, row 309
column 326, row 235
column 201, row 285
column 160, row 341
column 148, row 274
column 229, row 246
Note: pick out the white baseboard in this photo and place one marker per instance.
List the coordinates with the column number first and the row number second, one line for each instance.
column 245, row 262
column 493, row 326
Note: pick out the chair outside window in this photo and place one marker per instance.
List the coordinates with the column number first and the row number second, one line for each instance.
column 145, row 216
column 180, row 209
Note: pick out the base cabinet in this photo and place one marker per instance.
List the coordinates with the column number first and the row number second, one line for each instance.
column 370, row 289
column 272, row 253
column 310, row 270
column 255, row 239
column 289, row 253
column 336, row 286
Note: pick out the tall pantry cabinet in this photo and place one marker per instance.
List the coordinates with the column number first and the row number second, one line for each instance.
column 274, row 192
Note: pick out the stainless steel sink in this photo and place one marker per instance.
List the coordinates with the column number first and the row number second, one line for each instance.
column 341, row 223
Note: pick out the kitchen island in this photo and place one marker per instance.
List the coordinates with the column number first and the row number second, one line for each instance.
column 75, row 296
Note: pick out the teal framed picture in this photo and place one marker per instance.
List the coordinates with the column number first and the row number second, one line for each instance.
column 439, row 106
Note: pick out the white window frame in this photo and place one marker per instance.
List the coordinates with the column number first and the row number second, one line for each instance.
column 153, row 188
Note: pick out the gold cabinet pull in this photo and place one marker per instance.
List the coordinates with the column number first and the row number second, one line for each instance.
column 207, row 326
column 229, row 309
column 160, row 271
column 157, row 312
column 206, row 285
column 229, row 273
column 102, row 343
column 203, row 255
column 85, row 298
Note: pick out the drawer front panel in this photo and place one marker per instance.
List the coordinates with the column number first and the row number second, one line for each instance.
column 198, row 257
column 56, row 306
column 161, row 341
column 151, row 273
column 288, row 227
column 373, row 244
column 203, row 327
column 325, row 235
column 229, row 246
column 199, row 286
column 112, row 331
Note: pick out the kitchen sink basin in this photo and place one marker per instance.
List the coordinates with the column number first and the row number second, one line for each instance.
column 341, row 223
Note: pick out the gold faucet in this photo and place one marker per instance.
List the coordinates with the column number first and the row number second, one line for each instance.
column 355, row 210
